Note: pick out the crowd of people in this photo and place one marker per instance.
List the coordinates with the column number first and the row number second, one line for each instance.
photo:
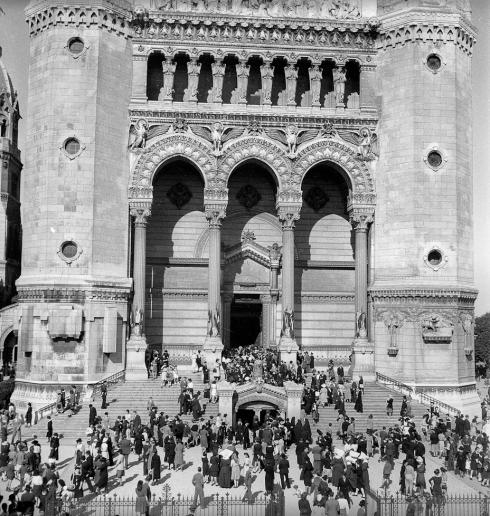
column 331, row 465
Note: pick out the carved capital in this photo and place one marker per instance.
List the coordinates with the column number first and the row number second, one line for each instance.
column 215, row 216
column 288, row 216
column 361, row 221
column 140, row 215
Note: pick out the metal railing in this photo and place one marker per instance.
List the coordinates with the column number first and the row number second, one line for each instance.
column 109, row 381
column 422, row 397
column 178, row 505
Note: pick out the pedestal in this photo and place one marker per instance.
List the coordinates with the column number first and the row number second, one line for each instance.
column 363, row 360
column 226, row 392
column 294, row 392
column 212, row 350
column 135, row 358
column 288, row 349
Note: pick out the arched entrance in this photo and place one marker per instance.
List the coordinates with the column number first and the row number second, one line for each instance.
column 9, row 352
column 175, row 313
column 256, row 411
column 250, row 228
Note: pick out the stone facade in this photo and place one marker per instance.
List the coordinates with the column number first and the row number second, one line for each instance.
column 303, row 159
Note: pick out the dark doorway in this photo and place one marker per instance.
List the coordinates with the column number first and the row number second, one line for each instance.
column 246, row 322
column 245, row 416
column 266, row 414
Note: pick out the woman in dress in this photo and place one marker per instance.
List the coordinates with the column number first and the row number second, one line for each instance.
column 358, row 406
column 205, row 467
column 179, row 454
column 138, row 443
column 156, row 467
column 214, row 468
column 224, row 476
column 141, row 498
column 235, row 470
column 194, row 362
column 323, row 399
column 28, row 417
column 307, row 473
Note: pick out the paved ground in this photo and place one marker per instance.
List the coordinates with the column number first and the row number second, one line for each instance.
column 180, row 481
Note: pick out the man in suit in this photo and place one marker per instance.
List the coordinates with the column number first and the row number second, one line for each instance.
column 92, row 415
column 284, row 471
column 198, row 483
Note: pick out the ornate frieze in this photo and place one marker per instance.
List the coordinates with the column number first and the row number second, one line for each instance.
column 72, row 295
column 112, row 15
column 421, row 296
column 437, row 329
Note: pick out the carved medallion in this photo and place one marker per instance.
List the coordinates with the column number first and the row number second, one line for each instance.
column 316, row 198
column 179, row 195
column 248, row 196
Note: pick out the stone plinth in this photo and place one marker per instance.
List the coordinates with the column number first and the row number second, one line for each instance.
column 288, row 349
column 212, row 350
column 294, row 393
column 226, row 392
column 363, row 360
column 135, row 358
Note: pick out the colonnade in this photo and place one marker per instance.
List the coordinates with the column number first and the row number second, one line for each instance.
column 278, row 80
column 288, row 215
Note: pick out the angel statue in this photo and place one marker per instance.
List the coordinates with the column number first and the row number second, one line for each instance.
column 365, row 140
column 217, row 135
column 361, row 324
column 213, row 324
column 292, row 137
column 138, row 134
column 136, row 322
column 288, row 324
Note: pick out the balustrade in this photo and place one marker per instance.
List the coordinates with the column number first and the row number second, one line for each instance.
column 251, row 80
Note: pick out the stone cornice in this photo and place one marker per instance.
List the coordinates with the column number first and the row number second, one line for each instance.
column 112, row 15
column 71, row 295
column 159, row 113
column 401, row 294
column 426, row 25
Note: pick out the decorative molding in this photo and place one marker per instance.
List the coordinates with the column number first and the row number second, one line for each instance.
column 325, row 297
column 179, row 195
column 111, row 15
column 434, row 147
column 400, row 295
column 171, row 293
column 436, row 328
column 248, row 196
column 76, row 256
column 316, row 198
column 72, row 295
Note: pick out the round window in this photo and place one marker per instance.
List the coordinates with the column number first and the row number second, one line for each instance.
column 72, row 146
column 434, row 158
column 69, row 249
column 434, row 257
column 76, row 46
column 434, row 62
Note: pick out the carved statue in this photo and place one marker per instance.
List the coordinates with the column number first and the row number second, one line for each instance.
column 258, row 369
column 361, row 324
column 436, row 329
column 365, row 140
column 339, row 79
column 216, row 133
column 288, row 324
column 344, row 9
column 138, row 134
column 291, row 139
column 274, row 252
column 136, row 322
column 214, row 323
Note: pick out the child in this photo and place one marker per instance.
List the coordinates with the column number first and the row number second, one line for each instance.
column 444, row 481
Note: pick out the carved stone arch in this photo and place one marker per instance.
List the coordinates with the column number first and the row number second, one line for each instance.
column 259, row 149
column 340, row 154
column 3, row 336
column 171, row 147
column 251, row 397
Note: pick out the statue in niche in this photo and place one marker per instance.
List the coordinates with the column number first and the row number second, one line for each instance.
column 344, row 9
column 288, row 324
column 214, row 323
column 138, row 134
column 361, row 329
column 339, row 79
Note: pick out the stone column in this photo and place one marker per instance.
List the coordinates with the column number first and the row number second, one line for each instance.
column 193, row 70
column 275, row 260
column 136, row 346
column 218, row 69
column 242, row 73
column 294, row 393
column 266, row 319
column 363, row 351
column 291, row 79
column 267, row 74
column 213, row 345
column 367, row 88
column 316, row 75
column 167, row 92
column 140, row 71
column 227, row 300
column 287, row 345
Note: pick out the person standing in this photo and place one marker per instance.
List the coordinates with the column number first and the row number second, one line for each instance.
column 28, row 416
column 198, row 483
column 304, row 505
column 103, row 393
column 125, row 449
column 142, row 496
column 92, row 415
column 49, row 429
column 284, row 471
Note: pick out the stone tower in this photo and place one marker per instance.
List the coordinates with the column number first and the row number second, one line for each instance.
column 74, row 285
column 9, row 188
column 422, row 289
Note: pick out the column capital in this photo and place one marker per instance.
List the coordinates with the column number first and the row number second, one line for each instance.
column 215, row 215
column 288, row 216
column 361, row 221
column 140, row 214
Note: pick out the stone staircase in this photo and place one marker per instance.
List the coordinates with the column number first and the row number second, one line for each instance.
column 374, row 402
column 132, row 395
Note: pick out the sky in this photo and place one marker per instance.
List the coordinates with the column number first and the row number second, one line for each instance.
column 15, row 42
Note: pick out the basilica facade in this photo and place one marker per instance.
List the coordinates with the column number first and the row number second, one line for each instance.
column 204, row 175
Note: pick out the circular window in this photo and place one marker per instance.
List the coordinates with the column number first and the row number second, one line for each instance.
column 434, row 62
column 76, row 46
column 69, row 249
column 434, row 257
column 434, row 158
column 72, row 146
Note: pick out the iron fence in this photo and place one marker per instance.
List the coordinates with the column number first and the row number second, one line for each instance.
column 453, row 505
column 168, row 505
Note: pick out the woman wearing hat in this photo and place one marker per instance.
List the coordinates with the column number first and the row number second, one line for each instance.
column 420, row 479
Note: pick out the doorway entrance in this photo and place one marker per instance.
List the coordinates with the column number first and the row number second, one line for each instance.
column 245, row 321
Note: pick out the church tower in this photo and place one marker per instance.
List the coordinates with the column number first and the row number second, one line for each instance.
column 422, row 290
column 9, row 188
column 74, row 286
